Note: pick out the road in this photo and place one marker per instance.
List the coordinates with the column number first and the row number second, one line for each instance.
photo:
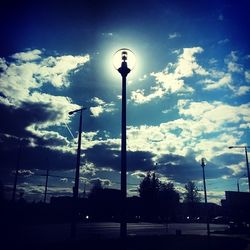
column 55, row 232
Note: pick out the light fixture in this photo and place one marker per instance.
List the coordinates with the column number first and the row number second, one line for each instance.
column 124, row 55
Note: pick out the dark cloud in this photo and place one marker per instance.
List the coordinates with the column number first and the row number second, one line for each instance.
column 17, row 119
column 33, row 157
column 182, row 168
column 228, row 159
column 105, row 156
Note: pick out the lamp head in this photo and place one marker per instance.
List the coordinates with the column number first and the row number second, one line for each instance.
column 124, row 58
column 203, row 162
column 230, row 147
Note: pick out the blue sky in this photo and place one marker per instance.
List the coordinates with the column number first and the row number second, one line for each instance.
column 187, row 98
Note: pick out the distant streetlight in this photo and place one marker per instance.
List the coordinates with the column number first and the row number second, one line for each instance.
column 238, row 182
column 124, row 62
column 17, row 170
column 203, row 164
column 247, row 163
column 46, row 186
column 76, row 186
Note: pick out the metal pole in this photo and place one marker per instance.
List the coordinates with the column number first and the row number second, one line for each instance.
column 46, row 186
column 238, row 184
column 205, row 194
column 248, row 173
column 123, row 231
column 78, row 157
column 76, row 186
column 17, row 171
column 123, row 70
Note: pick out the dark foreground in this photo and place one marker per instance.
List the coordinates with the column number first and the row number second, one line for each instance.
column 168, row 242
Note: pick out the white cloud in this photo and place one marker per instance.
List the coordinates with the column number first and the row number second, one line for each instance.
column 21, row 81
column 58, row 106
column 205, row 129
column 234, row 67
column 139, row 174
column 143, row 78
column 174, row 35
column 56, row 69
column 176, row 51
column 96, row 111
column 172, row 82
column 107, row 34
column 138, row 96
column 224, row 41
column 216, row 112
column 187, row 65
column 231, row 62
column 101, row 107
column 242, row 90
column 247, row 75
column 20, row 78
column 212, row 61
column 225, row 81
column 28, row 55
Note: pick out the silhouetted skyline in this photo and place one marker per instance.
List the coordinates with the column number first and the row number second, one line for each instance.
column 188, row 96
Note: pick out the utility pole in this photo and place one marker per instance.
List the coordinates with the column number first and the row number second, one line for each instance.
column 247, row 163
column 205, row 194
column 77, row 173
column 46, row 186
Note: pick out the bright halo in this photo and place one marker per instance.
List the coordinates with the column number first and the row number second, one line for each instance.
column 117, row 58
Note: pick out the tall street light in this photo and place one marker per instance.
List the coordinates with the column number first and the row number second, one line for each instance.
column 203, row 164
column 17, row 170
column 76, row 186
column 124, row 61
column 247, row 163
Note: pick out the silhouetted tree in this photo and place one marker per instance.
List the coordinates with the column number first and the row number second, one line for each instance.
column 149, row 187
column 158, row 198
column 149, row 191
column 169, row 200
column 191, row 195
column 95, row 190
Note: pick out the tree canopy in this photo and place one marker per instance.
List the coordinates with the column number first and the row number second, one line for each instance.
column 191, row 195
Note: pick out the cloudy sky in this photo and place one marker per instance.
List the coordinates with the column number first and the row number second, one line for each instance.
column 187, row 97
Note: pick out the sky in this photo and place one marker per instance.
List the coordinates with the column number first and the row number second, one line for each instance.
column 187, row 97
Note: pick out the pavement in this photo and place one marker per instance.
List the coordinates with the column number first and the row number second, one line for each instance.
column 53, row 233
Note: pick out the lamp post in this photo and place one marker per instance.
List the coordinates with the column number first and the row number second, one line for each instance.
column 123, row 61
column 247, row 163
column 238, row 182
column 46, row 186
column 76, row 186
column 203, row 164
column 17, row 170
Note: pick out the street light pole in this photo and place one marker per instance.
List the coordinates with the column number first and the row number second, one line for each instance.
column 124, row 71
column 76, row 185
column 248, row 173
column 17, row 170
column 205, row 194
column 247, row 163
column 238, row 184
column 46, row 186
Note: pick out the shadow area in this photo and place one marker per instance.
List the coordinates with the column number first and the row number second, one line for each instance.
column 169, row 242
